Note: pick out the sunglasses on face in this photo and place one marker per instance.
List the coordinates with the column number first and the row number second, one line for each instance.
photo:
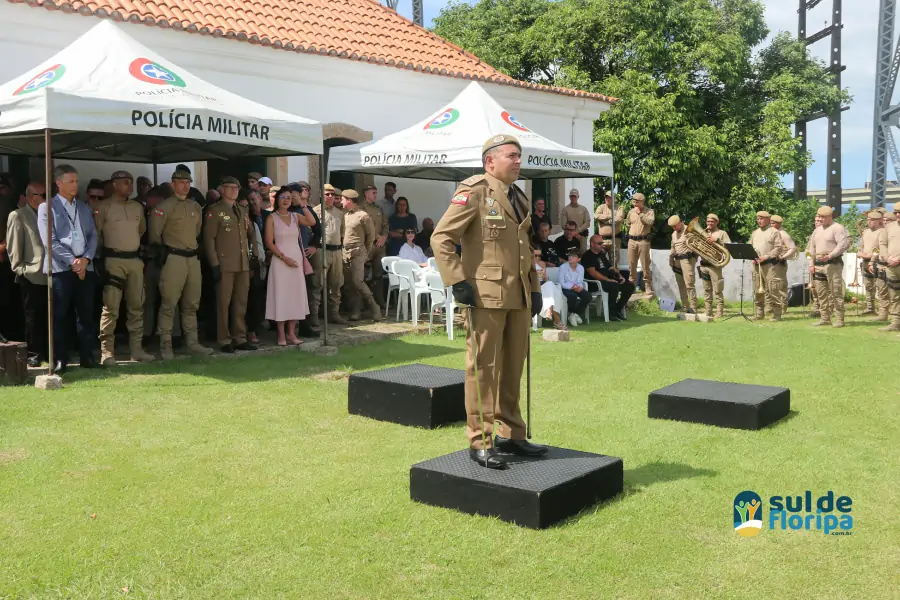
column 95, row 196
column 40, row 195
column 329, row 193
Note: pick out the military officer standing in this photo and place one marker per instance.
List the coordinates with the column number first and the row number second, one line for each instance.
column 768, row 245
column 333, row 224
column 380, row 223
column 889, row 254
column 683, row 261
column 489, row 218
column 711, row 275
column 877, row 296
column 827, row 246
column 582, row 218
column 227, row 237
column 175, row 226
column 788, row 252
column 120, row 225
column 609, row 226
column 359, row 239
column 816, row 311
column 640, row 222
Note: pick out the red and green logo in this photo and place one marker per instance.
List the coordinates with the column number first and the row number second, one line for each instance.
column 148, row 71
column 513, row 121
column 445, row 118
column 42, row 80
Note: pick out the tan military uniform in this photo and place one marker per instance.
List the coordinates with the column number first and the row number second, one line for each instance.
column 359, row 238
column 788, row 252
column 333, row 227
column 712, row 279
column 609, row 228
column 582, row 218
column 639, row 226
column 227, row 237
column 832, row 240
column 175, row 226
column 876, row 286
column 380, row 225
column 683, row 263
column 768, row 245
column 120, row 225
column 497, row 262
column 889, row 247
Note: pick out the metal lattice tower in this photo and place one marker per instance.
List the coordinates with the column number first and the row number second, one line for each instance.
column 418, row 12
column 885, row 115
column 834, row 189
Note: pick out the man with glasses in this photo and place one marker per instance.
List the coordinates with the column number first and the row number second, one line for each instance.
column 599, row 267
column 26, row 257
column 334, row 263
column 567, row 241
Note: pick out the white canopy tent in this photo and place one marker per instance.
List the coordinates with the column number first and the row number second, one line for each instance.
column 447, row 146
column 108, row 97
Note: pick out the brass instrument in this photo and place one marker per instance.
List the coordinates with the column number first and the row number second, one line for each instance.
column 759, row 277
column 712, row 253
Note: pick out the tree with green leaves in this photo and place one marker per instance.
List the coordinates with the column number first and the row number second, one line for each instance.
column 703, row 120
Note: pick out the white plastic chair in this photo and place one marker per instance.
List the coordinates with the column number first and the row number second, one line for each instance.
column 441, row 299
column 600, row 295
column 432, row 264
column 393, row 282
column 412, row 289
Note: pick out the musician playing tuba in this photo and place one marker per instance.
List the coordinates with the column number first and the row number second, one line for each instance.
column 788, row 252
column 768, row 245
column 710, row 267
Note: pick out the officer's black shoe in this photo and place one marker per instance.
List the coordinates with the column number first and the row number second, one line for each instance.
column 520, row 447
column 245, row 346
column 487, row 458
column 228, row 349
column 60, row 367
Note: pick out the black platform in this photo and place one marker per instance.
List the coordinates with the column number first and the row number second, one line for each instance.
column 735, row 405
column 418, row 395
column 532, row 492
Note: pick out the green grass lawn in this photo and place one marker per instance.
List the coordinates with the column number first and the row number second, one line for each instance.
column 246, row 478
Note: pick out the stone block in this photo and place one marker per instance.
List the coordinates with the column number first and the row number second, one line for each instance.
column 556, row 335
column 48, row 382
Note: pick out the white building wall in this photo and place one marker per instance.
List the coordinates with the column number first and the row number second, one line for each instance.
column 376, row 98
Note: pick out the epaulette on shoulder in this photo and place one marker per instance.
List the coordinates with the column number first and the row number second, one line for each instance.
column 473, row 180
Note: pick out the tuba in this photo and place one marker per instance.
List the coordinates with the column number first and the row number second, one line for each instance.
column 713, row 254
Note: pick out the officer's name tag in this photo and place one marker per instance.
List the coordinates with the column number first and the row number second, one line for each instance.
column 494, row 217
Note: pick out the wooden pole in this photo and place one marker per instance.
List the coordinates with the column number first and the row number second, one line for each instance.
column 324, row 258
column 48, row 175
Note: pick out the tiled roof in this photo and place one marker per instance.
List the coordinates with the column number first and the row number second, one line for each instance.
column 361, row 30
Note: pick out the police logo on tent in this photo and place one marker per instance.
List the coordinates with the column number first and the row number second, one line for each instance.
column 148, row 71
column 445, row 118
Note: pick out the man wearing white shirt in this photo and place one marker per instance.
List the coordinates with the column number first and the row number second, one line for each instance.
column 571, row 280
column 387, row 203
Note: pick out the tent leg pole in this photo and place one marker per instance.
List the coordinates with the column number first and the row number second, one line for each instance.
column 324, row 258
column 155, row 179
column 48, row 176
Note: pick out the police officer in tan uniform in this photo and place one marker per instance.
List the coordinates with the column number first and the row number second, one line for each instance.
column 877, row 296
column 380, row 223
column 227, row 237
column 767, row 242
column 827, row 246
column 683, row 261
column 489, row 217
column 609, row 226
column 889, row 255
column 120, row 224
column 788, row 252
column 640, row 222
column 333, row 226
column 582, row 218
column 710, row 275
column 175, row 226
column 359, row 239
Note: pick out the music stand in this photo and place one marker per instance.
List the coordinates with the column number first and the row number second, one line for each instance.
column 742, row 252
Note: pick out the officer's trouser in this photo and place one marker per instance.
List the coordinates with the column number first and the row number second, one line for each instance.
column 179, row 288
column 354, row 276
column 125, row 276
column 315, row 282
column 893, row 285
column 640, row 249
column 713, row 289
column 502, row 337
column 778, row 291
column 334, row 277
column 829, row 281
column 232, row 299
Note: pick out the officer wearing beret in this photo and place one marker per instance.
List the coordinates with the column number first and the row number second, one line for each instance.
column 332, row 219
column 711, row 275
column 379, row 248
column 871, row 268
column 827, row 246
column 889, row 256
column 609, row 226
column 227, row 237
column 768, row 245
column 489, row 218
column 359, row 239
column 120, row 225
column 788, row 252
column 683, row 260
column 175, row 226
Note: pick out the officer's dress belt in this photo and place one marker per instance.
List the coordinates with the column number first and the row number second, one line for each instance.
column 181, row 252
column 108, row 253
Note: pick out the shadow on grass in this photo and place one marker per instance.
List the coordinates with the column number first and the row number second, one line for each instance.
column 789, row 417
column 661, row 472
column 284, row 364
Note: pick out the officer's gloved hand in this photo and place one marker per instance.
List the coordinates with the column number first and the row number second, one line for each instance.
column 537, row 301
column 217, row 274
column 463, row 293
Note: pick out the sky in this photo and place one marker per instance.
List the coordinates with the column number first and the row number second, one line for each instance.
column 858, row 53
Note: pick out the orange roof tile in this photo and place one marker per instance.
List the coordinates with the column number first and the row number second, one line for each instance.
column 361, row 30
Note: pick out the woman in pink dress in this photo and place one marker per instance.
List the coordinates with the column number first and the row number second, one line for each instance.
column 286, row 299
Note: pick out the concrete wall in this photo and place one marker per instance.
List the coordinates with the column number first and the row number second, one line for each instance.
column 374, row 98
